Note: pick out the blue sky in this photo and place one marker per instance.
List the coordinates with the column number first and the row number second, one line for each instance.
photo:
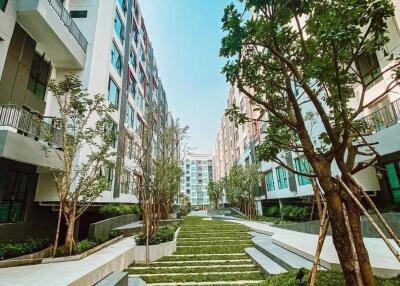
column 186, row 37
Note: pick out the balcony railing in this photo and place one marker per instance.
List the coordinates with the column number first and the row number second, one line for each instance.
column 384, row 117
column 31, row 125
column 64, row 15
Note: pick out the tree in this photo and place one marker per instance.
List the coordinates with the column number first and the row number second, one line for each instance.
column 215, row 191
column 85, row 129
column 241, row 187
column 296, row 62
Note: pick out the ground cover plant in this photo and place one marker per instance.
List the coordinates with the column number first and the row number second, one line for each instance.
column 15, row 249
column 113, row 210
column 165, row 234
column 207, row 251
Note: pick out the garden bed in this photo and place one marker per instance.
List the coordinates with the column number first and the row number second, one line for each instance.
column 82, row 255
column 156, row 251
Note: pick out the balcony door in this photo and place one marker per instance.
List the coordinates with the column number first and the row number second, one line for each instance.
column 393, row 176
column 14, row 191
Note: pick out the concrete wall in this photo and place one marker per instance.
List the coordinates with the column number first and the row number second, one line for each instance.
column 312, row 227
column 101, row 230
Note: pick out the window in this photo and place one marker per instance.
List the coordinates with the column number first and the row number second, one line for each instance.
column 78, row 14
column 133, row 60
column 302, row 166
column 108, row 173
column 39, row 76
column 14, row 189
column 368, row 68
column 139, row 101
column 132, row 86
column 130, row 116
column 116, row 58
column 113, row 93
column 119, row 27
column 269, row 179
column 110, row 129
column 135, row 33
column 3, row 4
column 122, row 3
column 281, row 175
column 139, row 125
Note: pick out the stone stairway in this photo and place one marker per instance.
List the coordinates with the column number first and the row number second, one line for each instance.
column 208, row 253
column 272, row 258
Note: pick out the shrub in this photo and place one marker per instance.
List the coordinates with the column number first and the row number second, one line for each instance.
column 15, row 249
column 296, row 213
column 83, row 245
column 113, row 210
column 272, row 211
column 165, row 234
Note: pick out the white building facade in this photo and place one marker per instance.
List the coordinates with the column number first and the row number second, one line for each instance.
column 105, row 43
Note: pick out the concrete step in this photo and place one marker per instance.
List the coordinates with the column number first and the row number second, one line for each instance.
column 282, row 256
column 266, row 264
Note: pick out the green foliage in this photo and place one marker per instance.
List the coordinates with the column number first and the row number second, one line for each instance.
column 215, row 191
column 191, row 270
column 113, row 210
column 165, row 234
column 84, row 245
column 15, row 249
column 296, row 213
column 272, row 211
column 324, row 278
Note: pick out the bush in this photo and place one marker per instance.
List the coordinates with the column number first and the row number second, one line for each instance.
column 15, row 249
column 83, row 245
column 272, row 211
column 165, row 234
column 113, row 210
column 296, row 213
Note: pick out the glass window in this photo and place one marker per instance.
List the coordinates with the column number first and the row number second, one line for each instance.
column 368, row 68
column 113, row 93
column 135, row 33
column 139, row 101
column 269, row 179
column 39, row 76
column 116, row 58
column 111, row 128
column 119, row 27
column 14, row 189
column 3, row 4
column 108, row 173
column 142, row 77
column 302, row 166
column 281, row 175
column 122, row 4
column 133, row 60
column 132, row 86
column 130, row 116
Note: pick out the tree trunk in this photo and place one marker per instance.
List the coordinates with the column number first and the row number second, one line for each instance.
column 69, row 236
column 57, row 238
column 340, row 235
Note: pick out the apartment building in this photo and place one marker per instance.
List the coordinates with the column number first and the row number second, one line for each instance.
column 381, row 181
column 197, row 173
column 105, row 42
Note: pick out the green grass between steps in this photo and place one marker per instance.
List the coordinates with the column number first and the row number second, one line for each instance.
column 212, row 249
column 194, row 263
column 324, row 278
column 202, row 258
column 199, row 269
column 212, row 242
column 203, row 277
column 214, row 234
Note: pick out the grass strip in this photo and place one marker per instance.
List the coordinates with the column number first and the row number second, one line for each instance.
column 215, row 234
column 196, row 269
column 203, row 277
column 195, row 263
column 213, row 242
column 203, row 258
column 212, row 249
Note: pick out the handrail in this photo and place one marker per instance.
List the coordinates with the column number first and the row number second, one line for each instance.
column 30, row 124
column 65, row 16
column 383, row 117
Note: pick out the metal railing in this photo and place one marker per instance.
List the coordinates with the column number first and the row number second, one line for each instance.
column 65, row 16
column 31, row 125
column 384, row 117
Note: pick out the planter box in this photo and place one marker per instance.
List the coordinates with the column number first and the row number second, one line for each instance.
column 82, row 255
column 155, row 251
column 27, row 259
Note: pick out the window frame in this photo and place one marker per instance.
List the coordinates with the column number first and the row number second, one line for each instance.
column 114, row 48
column 118, row 93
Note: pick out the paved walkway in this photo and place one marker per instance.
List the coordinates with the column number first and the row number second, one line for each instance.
column 382, row 259
column 113, row 258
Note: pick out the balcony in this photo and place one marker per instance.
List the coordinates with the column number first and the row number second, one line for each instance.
column 384, row 117
column 51, row 25
column 22, row 137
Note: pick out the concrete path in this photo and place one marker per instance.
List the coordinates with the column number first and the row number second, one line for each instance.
column 382, row 259
column 198, row 213
column 86, row 271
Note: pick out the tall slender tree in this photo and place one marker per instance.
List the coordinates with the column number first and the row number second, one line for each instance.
column 296, row 61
